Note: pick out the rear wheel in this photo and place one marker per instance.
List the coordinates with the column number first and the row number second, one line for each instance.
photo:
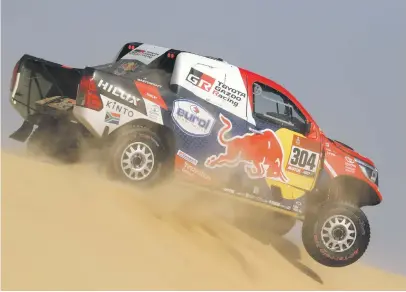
column 137, row 156
column 338, row 235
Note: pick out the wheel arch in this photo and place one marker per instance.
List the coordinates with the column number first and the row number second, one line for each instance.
column 163, row 132
column 341, row 188
column 352, row 189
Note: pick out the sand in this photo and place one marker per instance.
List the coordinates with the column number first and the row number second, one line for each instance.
column 70, row 228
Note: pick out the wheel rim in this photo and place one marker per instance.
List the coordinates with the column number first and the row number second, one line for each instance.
column 338, row 233
column 137, row 161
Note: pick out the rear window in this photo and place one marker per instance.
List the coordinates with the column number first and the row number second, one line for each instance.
column 128, row 67
column 122, row 67
column 158, row 71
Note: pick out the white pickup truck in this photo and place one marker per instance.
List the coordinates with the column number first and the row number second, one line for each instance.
column 157, row 110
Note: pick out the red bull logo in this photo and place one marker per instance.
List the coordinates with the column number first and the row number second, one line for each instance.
column 261, row 153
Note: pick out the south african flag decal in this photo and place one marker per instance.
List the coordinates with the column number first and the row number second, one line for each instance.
column 112, row 118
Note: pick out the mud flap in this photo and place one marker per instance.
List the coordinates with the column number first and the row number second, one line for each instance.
column 23, row 132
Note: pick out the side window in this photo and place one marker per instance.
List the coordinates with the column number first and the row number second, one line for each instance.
column 273, row 106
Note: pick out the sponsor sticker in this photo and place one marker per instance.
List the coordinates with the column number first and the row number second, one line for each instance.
column 201, row 80
column 219, row 89
column 297, row 207
column 122, row 109
column 192, row 118
column 263, row 200
column 349, row 165
column 112, row 118
column 191, row 170
column 151, row 93
column 146, row 53
column 261, row 153
column 304, row 157
column 118, row 92
column 330, row 153
column 154, row 112
column 187, row 157
column 148, row 82
column 228, row 94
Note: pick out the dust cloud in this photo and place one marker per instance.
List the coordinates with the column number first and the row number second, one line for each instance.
column 68, row 227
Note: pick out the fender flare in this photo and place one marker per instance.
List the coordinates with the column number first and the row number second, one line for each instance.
column 344, row 187
column 163, row 132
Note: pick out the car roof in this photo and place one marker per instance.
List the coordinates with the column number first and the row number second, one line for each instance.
column 261, row 78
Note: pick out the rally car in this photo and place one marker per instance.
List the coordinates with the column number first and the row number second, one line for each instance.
column 158, row 111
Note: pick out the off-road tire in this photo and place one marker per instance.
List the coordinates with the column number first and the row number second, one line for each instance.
column 137, row 136
column 316, row 247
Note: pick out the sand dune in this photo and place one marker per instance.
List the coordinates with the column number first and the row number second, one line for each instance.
column 69, row 228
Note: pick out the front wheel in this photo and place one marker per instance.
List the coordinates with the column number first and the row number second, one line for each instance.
column 338, row 235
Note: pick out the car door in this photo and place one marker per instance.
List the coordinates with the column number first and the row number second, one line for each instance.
column 292, row 157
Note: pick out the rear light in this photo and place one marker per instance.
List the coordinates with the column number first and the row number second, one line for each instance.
column 14, row 76
column 88, row 88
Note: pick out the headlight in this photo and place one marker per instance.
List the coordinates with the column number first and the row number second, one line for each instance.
column 368, row 170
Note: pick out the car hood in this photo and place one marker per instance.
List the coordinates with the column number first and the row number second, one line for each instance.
column 350, row 151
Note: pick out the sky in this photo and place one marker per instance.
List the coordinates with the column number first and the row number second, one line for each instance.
column 344, row 60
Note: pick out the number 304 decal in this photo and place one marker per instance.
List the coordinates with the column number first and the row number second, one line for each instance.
column 303, row 161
